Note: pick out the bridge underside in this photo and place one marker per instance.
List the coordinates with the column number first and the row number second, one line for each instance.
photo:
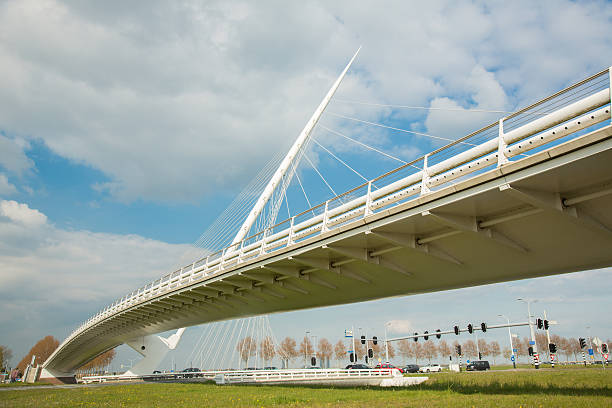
column 542, row 215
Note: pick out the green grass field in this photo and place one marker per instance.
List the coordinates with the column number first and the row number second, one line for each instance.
column 544, row 388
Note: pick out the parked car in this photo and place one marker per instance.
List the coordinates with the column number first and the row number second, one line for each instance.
column 411, row 368
column 432, row 368
column 389, row 366
column 478, row 366
column 189, row 371
column 357, row 367
column 270, row 368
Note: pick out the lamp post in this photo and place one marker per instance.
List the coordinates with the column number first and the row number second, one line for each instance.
column 386, row 343
column 510, row 338
column 307, row 338
column 535, row 346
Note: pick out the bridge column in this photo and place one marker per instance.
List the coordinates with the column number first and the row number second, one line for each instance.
column 153, row 349
column 51, row 376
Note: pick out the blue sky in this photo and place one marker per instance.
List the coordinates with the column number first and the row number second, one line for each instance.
column 125, row 131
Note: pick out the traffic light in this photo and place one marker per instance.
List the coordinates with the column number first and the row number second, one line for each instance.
column 352, row 357
column 415, row 337
column 366, row 359
column 604, row 348
column 362, row 339
column 470, row 328
column 458, row 349
column 552, row 347
column 370, row 353
column 530, row 349
column 479, row 355
column 313, row 361
column 483, row 327
column 426, row 336
column 438, row 335
column 456, row 328
column 375, row 340
column 540, row 323
column 582, row 342
column 545, row 324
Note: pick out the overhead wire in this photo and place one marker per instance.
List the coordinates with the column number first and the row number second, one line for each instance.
column 339, row 159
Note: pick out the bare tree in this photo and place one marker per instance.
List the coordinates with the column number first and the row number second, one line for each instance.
column 429, row 350
column 324, row 352
column 418, row 352
column 406, row 349
column 483, row 347
column 495, row 350
column 391, row 350
column 100, row 362
column 287, row 350
column 507, row 353
column 542, row 342
column 526, row 346
column 340, row 351
column 246, row 348
column 306, row 349
column 469, row 349
column 267, row 349
column 444, row 349
column 42, row 350
column 5, row 358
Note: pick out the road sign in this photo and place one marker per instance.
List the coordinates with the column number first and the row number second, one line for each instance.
column 515, row 350
column 605, row 356
column 348, row 333
column 512, row 358
column 531, row 342
column 591, row 352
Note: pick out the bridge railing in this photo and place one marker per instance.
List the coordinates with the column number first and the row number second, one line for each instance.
column 553, row 120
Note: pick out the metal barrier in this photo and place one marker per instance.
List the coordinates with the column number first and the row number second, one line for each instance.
column 255, row 376
column 553, row 120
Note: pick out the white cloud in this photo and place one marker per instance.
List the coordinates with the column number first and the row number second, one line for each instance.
column 6, row 188
column 154, row 96
column 399, row 326
column 12, row 155
column 51, row 278
column 22, row 214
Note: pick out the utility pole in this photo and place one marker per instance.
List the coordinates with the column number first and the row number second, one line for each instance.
column 386, row 344
column 510, row 338
column 551, row 356
column 354, row 349
column 536, row 361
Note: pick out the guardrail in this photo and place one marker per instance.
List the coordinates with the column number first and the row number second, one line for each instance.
column 253, row 376
column 562, row 116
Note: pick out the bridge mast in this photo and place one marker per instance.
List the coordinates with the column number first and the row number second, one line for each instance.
column 285, row 164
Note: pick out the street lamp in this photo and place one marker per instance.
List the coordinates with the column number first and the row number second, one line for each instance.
column 510, row 337
column 535, row 346
column 386, row 343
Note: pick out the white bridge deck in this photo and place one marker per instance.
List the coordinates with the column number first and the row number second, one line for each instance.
column 523, row 197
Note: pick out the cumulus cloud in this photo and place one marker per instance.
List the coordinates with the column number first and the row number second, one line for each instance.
column 22, row 213
column 52, row 278
column 399, row 326
column 154, row 96
column 6, row 188
column 12, row 155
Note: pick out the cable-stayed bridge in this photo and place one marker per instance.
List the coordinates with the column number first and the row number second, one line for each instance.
column 526, row 196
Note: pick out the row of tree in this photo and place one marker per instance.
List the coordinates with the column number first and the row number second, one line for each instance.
column 407, row 350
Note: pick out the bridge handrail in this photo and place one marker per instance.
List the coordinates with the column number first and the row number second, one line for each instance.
column 530, row 128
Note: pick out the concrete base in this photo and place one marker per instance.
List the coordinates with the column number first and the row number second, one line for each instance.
column 340, row 382
column 56, row 377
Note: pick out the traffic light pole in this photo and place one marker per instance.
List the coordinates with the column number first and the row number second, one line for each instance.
column 536, row 361
column 551, row 356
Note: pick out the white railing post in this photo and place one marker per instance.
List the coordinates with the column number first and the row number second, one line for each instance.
column 222, row 259
column 501, row 145
column 262, row 248
column 610, row 84
column 425, row 177
column 290, row 235
column 368, row 205
column 325, row 218
column 240, row 252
